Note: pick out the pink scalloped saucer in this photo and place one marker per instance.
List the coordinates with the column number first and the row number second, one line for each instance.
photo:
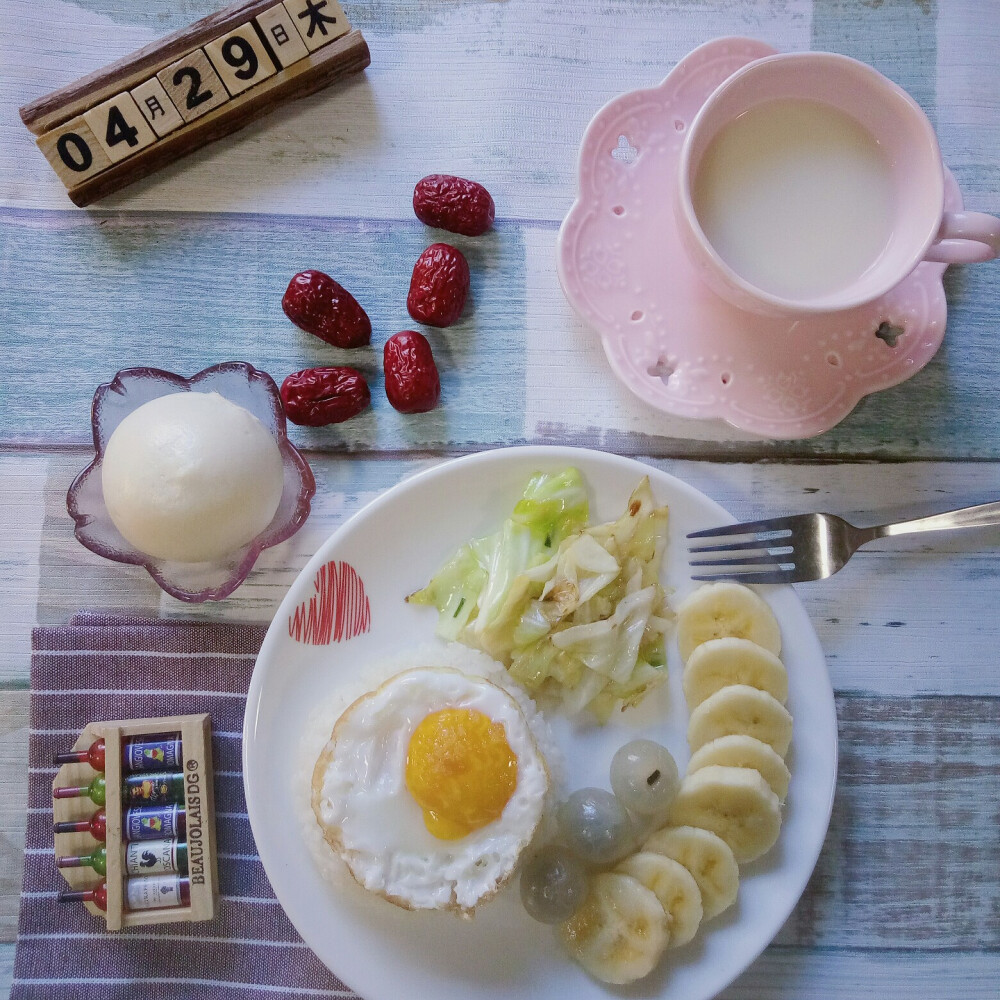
column 671, row 340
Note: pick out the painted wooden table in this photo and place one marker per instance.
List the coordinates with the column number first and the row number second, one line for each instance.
column 187, row 269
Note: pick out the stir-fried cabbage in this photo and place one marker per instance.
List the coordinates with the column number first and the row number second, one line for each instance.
column 571, row 610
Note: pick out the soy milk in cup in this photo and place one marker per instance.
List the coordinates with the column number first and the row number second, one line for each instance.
column 809, row 183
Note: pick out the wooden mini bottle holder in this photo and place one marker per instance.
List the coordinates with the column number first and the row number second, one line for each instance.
column 135, row 116
column 196, row 738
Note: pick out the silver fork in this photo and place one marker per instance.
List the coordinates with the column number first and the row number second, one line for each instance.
column 811, row 546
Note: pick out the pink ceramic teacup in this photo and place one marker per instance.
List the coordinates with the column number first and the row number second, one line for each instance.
column 916, row 226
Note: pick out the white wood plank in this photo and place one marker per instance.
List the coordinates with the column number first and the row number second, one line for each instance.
column 968, row 120
column 807, row 974
column 75, row 578
column 6, row 968
column 904, row 618
column 501, row 92
column 22, row 485
column 910, row 860
column 910, row 857
column 13, row 803
column 811, row 974
column 534, row 76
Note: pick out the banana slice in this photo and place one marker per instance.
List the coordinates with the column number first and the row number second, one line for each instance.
column 620, row 930
column 726, row 609
column 719, row 662
column 740, row 708
column 739, row 750
column 735, row 803
column 675, row 888
column 707, row 857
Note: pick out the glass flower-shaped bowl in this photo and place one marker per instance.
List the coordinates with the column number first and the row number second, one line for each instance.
column 236, row 381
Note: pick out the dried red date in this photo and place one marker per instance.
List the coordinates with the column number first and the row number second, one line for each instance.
column 411, row 377
column 453, row 203
column 319, row 396
column 316, row 303
column 439, row 286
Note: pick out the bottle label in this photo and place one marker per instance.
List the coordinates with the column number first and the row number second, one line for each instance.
column 151, row 857
column 151, row 754
column 154, row 789
column 151, row 823
column 153, row 893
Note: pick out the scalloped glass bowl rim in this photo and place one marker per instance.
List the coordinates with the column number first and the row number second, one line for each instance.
column 256, row 380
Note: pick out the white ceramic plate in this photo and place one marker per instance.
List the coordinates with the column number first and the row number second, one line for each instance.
column 394, row 545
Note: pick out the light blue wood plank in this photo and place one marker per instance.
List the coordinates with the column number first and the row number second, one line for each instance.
column 897, row 37
column 89, row 293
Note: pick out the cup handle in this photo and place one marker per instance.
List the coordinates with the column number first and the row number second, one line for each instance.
column 965, row 238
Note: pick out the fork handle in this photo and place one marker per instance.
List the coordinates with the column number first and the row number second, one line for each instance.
column 980, row 516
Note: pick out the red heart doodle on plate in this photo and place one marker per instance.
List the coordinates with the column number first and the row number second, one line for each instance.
column 339, row 611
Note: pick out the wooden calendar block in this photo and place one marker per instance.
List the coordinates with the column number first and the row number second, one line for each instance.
column 73, row 152
column 281, row 35
column 120, row 127
column 193, row 86
column 240, row 58
column 130, row 71
column 156, row 107
column 318, row 21
column 184, row 100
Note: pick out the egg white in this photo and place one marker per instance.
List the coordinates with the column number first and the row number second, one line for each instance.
column 360, row 799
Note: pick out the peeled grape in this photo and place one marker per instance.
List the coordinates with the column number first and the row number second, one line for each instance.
column 644, row 778
column 595, row 826
column 553, row 885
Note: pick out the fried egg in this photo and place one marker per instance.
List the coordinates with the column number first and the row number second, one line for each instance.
column 430, row 788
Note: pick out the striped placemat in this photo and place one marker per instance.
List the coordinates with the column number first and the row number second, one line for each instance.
column 118, row 667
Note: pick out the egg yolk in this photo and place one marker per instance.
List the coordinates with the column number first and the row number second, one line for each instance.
column 461, row 771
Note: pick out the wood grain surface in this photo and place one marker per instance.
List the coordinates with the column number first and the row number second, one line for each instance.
column 187, row 268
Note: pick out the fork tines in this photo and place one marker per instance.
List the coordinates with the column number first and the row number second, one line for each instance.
column 766, row 557
column 771, row 524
